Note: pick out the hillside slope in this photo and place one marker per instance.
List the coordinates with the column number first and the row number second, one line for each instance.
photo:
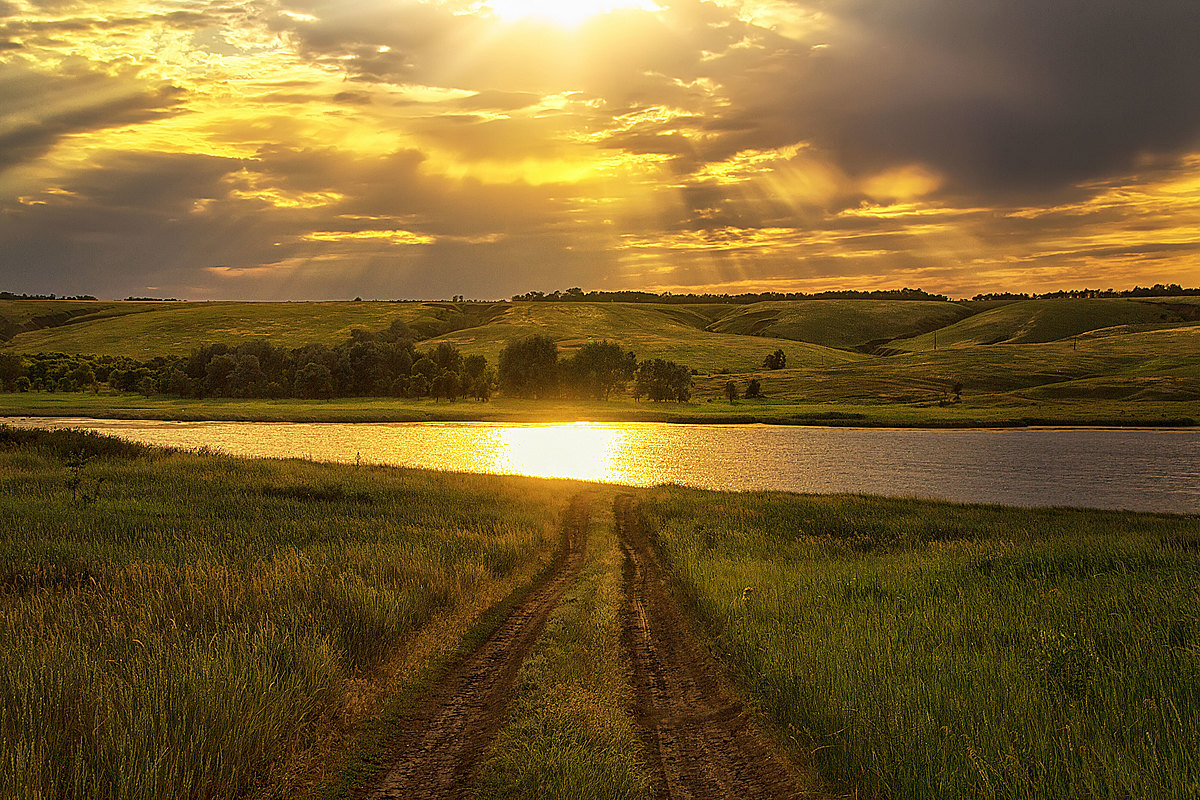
column 845, row 324
column 1034, row 321
column 651, row 331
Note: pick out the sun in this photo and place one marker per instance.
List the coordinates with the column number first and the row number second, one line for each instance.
column 564, row 13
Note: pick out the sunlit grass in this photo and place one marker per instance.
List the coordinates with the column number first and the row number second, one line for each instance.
column 568, row 733
column 192, row 631
column 933, row 650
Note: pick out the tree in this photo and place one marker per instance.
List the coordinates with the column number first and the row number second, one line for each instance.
column 447, row 357
column 314, row 381
column 12, row 366
column 731, row 391
column 446, row 386
column 776, row 360
column 529, row 367
column 663, row 380
column 754, row 389
column 599, row 368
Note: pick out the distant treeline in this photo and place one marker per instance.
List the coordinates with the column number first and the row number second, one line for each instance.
column 384, row 364
column 576, row 294
column 12, row 296
column 1157, row 290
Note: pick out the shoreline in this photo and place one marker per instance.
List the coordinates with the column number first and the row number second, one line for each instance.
column 1182, row 415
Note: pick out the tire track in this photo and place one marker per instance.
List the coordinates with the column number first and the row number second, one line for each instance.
column 442, row 744
column 698, row 741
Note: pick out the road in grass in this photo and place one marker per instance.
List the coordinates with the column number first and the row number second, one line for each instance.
column 440, row 746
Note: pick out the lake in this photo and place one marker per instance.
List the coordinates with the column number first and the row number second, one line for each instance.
column 1133, row 469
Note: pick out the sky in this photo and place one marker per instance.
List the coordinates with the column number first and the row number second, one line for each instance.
column 326, row 149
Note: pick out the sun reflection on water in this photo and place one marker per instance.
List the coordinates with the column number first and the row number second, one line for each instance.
column 582, row 451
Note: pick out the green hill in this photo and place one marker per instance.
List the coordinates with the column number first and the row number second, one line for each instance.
column 845, row 324
column 1033, row 321
column 155, row 329
column 652, row 331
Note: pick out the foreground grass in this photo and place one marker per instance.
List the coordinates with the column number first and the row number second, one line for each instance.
column 205, row 625
column 568, row 735
column 995, row 411
column 934, row 650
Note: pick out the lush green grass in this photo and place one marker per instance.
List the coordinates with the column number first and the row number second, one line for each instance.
column 568, row 734
column 708, row 407
column 1124, row 351
column 937, row 650
column 1029, row 321
column 840, row 323
column 160, row 329
column 675, row 333
column 205, row 625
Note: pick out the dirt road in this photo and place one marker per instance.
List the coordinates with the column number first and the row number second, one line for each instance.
column 443, row 743
column 699, row 742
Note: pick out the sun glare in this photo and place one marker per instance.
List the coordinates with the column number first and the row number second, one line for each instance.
column 564, row 13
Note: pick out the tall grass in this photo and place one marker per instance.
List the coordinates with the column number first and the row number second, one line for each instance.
column 194, row 628
column 934, row 650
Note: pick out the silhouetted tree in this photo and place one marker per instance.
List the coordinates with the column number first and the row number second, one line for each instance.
column 754, row 389
column 314, row 381
column 731, row 391
column 776, row 360
column 529, row 367
column 599, row 368
column 663, row 380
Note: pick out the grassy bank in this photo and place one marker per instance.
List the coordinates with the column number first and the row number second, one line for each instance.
column 178, row 625
column 568, row 734
column 934, row 650
column 997, row 411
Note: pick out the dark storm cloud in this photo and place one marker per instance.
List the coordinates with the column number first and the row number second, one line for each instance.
column 39, row 109
column 1000, row 95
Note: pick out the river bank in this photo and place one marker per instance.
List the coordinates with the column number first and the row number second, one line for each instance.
column 985, row 412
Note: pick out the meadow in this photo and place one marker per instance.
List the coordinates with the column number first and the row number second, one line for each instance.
column 921, row 649
column 1070, row 361
column 190, row 625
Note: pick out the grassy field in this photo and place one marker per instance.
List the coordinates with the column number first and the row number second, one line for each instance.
column 184, row 625
column 1034, row 321
column 933, row 650
column 845, row 324
column 708, row 407
column 675, row 333
column 145, row 330
column 1055, row 360
column 568, row 733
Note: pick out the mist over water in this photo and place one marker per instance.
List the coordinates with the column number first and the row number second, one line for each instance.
column 1137, row 470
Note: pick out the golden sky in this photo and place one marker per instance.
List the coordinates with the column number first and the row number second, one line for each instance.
column 313, row 149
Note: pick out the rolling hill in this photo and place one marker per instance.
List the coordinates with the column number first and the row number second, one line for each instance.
column 844, row 324
column 1034, row 321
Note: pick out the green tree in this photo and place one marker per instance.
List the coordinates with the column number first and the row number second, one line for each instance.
column 663, row 380
column 529, row 367
column 731, row 391
column 776, row 360
column 600, row 368
column 754, row 389
column 314, row 381
column 12, row 366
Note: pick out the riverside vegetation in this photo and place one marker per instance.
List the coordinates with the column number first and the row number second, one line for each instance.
column 878, row 360
column 193, row 625
column 926, row 649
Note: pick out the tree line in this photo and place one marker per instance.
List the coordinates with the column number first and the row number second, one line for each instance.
column 382, row 364
column 575, row 294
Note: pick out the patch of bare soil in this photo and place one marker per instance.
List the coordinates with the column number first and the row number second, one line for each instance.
column 698, row 740
column 441, row 744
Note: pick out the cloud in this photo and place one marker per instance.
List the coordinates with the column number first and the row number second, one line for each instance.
column 37, row 109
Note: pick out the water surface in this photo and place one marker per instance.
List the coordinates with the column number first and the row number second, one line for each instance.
column 1134, row 469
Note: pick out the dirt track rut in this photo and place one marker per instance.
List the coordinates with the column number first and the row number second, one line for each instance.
column 699, row 742
column 442, row 744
